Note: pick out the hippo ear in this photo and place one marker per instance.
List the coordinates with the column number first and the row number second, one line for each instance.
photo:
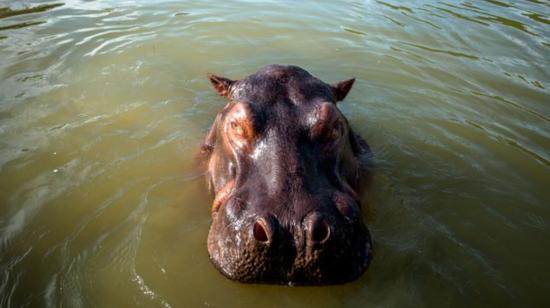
column 221, row 84
column 341, row 88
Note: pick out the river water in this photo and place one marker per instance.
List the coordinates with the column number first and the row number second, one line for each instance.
column 103, row 105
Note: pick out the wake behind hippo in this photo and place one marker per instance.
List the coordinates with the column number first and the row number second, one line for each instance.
column 285, row 168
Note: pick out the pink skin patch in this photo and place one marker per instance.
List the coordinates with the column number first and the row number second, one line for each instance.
column 222, row 196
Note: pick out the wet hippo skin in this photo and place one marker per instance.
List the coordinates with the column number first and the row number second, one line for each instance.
column 285, row 169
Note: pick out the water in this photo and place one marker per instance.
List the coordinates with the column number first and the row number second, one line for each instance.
column 103, row 105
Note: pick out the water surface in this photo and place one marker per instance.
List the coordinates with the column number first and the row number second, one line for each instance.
column 103, row 105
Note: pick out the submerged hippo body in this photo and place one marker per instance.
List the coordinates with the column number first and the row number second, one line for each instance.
column 285, row 169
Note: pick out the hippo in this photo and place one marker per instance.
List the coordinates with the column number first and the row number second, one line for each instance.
column 286, row 171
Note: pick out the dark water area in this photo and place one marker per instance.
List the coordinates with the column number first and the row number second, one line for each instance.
column 103, row 105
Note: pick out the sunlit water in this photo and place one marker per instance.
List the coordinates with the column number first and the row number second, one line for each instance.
column 103, row 105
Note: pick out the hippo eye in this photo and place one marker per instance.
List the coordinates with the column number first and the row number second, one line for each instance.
column 327, row 125
column 240, row 131
column 237, row 129
column 336, row 131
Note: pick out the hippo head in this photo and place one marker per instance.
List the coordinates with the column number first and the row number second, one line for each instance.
column 284, row 167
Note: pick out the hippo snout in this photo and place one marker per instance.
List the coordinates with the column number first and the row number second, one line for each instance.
column 321, row 247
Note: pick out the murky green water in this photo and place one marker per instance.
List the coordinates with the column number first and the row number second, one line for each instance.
column 103, row 105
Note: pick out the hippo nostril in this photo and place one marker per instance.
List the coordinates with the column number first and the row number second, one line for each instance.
column 318, row 229
column 320, row 232
column 261, row 231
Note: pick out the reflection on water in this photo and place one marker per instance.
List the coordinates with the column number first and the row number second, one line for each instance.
column 103, row 104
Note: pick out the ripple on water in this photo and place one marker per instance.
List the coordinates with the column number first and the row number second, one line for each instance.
column 103, row 104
